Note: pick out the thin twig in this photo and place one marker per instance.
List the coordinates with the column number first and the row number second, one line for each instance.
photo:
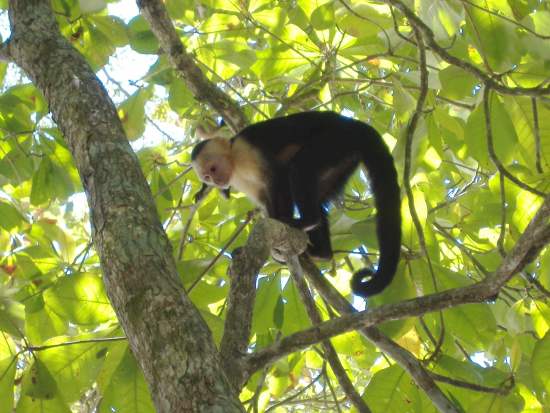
column 536, row 133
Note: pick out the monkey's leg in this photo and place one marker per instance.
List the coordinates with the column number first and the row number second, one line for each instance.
column 319, row 238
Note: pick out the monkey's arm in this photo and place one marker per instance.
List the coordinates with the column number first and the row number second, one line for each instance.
column 203, row 191
column 200, row 194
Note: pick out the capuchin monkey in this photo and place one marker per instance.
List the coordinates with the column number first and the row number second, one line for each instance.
column 302, row 161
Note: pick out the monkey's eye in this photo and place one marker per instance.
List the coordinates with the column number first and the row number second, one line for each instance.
column 212, row 169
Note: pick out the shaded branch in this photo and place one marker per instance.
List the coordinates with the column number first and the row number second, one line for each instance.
column 5, row 55
column 266, row 235
column 401, row 356
column 203, row 89
column 535, row 237
column 536, row 133
column 503, row 391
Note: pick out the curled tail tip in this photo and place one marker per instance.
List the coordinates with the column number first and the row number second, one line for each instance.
column 376, row 283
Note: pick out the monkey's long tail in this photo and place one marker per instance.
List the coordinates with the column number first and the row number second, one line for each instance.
column 384, row 184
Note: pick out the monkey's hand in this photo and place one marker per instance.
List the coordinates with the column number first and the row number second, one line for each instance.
column 226, row 193
column 304, row 225
column 200, row 195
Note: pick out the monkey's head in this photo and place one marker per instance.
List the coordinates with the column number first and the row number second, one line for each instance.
column 213, row 163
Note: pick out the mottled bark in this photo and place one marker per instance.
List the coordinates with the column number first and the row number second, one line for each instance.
column 170, row 340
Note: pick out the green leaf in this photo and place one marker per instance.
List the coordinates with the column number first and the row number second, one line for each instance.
column 11, row 218
column 42, row 322
column 393, row 391
column 42, row 182
column 126, row 390
column 269, row 290
column 295, row 317
column 132, row 113
column 81, row 299
column 365, row 21
column 29, row 404
column 539, row 368
column 7, row 373
column 180, row 97
column 456, row 83
column 495, row 40
column 111, row 27
column 322, row 17
column 16, row 166
column 38, row 382
column 142, row 39
column 75, row 367
column 12, row 316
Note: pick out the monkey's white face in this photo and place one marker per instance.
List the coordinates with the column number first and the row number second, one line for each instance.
column 213, row 165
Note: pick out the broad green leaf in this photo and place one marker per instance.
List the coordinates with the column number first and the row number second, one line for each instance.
column 456, row 83
column 269, row 289
column 81, row 299
column 366, row 20
column 443, row 17
column 42, row 182
column 75, row 366
column 132, row 113
column 28, row 404
column 180, row 97
column 322, row 17
column 393, row 391
column 16, row 165
column 11, row 217
column 296, row 317
column 142, row 40
column 495, row 40
column 126, row 391
column 467, row 328
column 8, row 362
column 539, row 368
column 12, row 316
column 7, row 377
column 511, row 403
column 41, row 321
column 215, row 324
column 112, row 28
column 38, row 382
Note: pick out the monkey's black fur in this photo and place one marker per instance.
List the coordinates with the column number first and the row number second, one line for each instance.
column 307, row 158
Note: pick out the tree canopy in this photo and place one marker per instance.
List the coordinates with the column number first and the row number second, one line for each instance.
column 458, row 88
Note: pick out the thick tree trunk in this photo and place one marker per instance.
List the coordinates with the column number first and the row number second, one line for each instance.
column 166, row 333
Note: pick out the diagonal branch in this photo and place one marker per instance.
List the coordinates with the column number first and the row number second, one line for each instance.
column 429, row 37
column 401, row 356
column 535, row 237
column 203, row 89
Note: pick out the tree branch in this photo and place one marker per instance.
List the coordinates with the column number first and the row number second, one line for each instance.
column 429, row 37
column 166, row 333
column 266, row 235
column 203, row 89
column 401, row 356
